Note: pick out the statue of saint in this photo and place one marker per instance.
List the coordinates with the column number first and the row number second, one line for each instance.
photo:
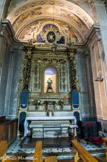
column 49, row 88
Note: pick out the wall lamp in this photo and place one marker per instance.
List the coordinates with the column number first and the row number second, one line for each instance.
column 99, row 79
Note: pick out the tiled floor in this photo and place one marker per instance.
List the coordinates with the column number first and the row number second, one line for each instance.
column 61, row 153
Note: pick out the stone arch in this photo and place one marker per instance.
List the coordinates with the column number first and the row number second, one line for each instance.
column 69, row 12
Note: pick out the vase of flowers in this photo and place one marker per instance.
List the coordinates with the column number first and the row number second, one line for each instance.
column 61, row 101
column 37, row 102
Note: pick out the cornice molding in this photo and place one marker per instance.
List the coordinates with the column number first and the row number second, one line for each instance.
column 97, row 1
column 7, row 30
column 100, row 1
column 93, row 35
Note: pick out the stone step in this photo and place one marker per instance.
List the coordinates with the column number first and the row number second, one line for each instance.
column 48, row 122
column 49, row 129
column 53, row 134
column 43, row 113
column 41, row 124
column 46, row 129
column 49, row 132
column 42, row 108
column 54, row 129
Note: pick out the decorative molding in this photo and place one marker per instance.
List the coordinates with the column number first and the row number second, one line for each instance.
column 37, row 60
column 71, row 18
column 94, row 35
column 99, row 1
column 27, row 65
column 8, row 33
column 7, row 30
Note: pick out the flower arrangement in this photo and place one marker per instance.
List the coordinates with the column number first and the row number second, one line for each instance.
column 37, row 101
column 61, row 101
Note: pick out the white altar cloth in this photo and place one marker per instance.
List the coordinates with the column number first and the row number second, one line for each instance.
column 46, row 118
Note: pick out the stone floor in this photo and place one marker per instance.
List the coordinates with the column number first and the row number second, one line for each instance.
column 59, row 142
column 63, row 153
column 100, row 159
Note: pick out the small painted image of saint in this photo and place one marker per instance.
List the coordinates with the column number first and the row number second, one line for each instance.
column 49, row 87
column 50, row 80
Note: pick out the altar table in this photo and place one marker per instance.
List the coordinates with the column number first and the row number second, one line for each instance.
column 46, row 118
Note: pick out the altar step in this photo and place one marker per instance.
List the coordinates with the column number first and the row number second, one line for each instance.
column 48, row 129
column 49, row 133
column 37, row 113
column 42, row 108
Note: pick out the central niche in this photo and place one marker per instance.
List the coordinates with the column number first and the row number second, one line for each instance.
column 50, row 80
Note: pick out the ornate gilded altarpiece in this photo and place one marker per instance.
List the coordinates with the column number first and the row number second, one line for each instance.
column 36, row 61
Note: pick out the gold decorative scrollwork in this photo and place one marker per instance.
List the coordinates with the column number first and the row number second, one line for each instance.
column 73, row 72
column 78, row 85
column 27, row 65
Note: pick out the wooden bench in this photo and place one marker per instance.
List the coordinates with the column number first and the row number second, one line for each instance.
column 3, row 150
column 38, row 152
column 37, row 155
column 51, row 159
column 84, row 154
column 105, row 141
column 36, row 158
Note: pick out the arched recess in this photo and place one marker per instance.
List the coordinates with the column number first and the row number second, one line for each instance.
column 43, row 92
column 26, row 12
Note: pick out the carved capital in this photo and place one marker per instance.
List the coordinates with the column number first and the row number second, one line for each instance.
column 28, row 48
column 71, row 55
